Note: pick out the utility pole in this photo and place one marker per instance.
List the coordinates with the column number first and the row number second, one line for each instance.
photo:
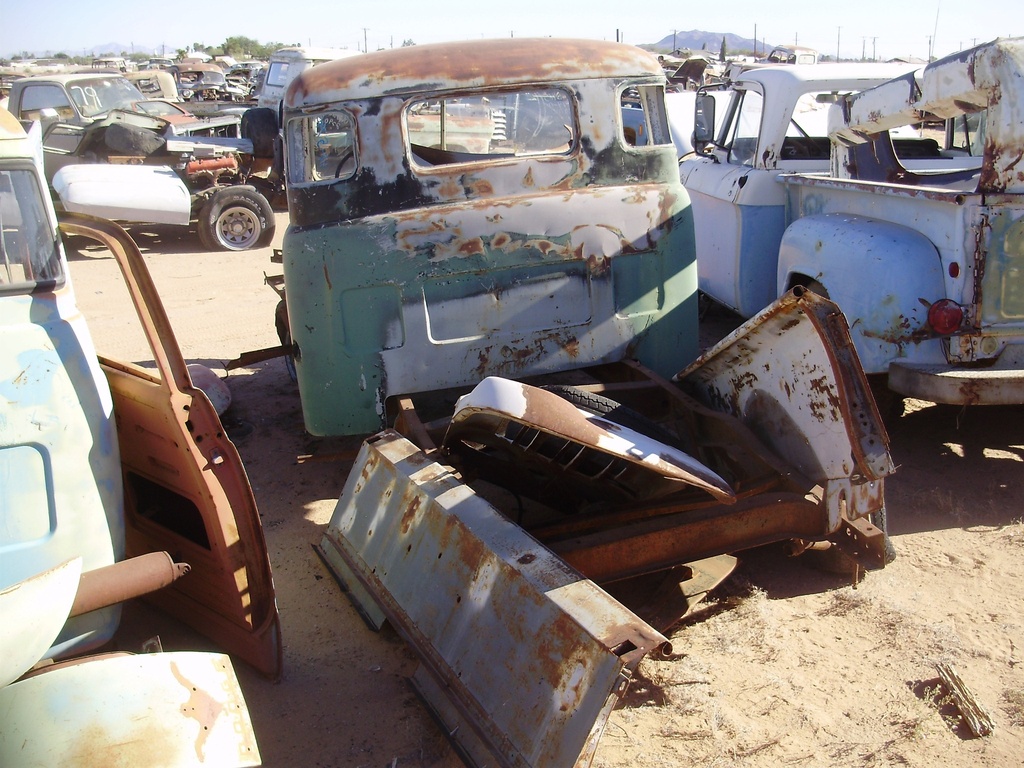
column 674, row 41
column 839, row 31
column 874, row 54
column 365, row 49
column 755, row 41
column 863, row 48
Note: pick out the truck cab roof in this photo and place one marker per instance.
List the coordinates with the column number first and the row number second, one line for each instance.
column 467, row 65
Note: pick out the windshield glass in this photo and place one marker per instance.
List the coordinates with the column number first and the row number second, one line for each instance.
column 29, row 256
column 192, row 77
column 322, row 147
column 278, row 73
column 102, row 94
column 746, row 128
column 533, row 121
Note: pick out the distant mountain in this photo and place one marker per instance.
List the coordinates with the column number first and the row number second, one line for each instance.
column 118, row 48
column 695, row 40
column 115, row 49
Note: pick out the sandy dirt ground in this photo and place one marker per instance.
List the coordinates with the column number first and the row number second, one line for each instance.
column 785, row 664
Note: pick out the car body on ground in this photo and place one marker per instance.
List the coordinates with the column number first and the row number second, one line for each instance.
column 134, row 167
column 503, row 222
column 204, row 82
column 926, row 261
column 285, row 64
column 155, row 83
column 769, row 121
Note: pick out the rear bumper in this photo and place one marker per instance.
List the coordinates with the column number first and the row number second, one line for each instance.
column 1001, row 384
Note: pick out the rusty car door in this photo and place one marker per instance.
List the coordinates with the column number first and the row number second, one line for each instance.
column 185, row 489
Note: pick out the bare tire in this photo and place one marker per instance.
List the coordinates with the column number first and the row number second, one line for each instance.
column 259, row 125
column 235, row 219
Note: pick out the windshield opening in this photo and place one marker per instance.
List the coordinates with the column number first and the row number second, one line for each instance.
column 486, row 126
column 29, row 252
column 99, row 96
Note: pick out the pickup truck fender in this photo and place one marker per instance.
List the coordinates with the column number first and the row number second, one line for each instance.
column 883, row 276
column 137, row 193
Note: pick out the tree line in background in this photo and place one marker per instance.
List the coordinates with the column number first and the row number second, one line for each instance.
column 237, row 47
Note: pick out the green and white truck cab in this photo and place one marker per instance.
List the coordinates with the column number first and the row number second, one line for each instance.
column 465, row 210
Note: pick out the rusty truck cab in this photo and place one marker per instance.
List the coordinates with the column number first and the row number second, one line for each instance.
column 457, row 211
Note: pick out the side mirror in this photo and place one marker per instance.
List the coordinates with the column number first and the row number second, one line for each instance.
column 48, row 116
column 704, row 119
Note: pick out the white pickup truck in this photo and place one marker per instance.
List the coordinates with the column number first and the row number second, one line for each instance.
column 927, row 266
column 774, row 122
column 913, row 237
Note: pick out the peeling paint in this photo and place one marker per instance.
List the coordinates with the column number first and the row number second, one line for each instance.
column 511, row 264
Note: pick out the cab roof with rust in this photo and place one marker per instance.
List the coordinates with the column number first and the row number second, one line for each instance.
column 468, row 64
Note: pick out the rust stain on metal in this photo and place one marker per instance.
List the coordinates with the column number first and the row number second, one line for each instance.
column 450, row 188
column 598, row 265
column 481, row 188
column 827, row 409
column 747, row 379
column 409, row 514
column 471, row 247
column 414, row 68
column 546, row 247
column 201, row 707
column 368, row 468
column 472, row 552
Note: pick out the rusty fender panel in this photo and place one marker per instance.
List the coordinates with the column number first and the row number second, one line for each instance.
column 522, row 658
column 791, row 374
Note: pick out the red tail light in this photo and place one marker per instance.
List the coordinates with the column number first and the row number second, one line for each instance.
column 945, row 316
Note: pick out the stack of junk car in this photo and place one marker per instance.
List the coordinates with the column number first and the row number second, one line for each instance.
column 105, row 468
column 111, row 152
column 487, row 269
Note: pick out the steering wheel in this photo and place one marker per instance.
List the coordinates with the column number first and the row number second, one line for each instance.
column 345, row 157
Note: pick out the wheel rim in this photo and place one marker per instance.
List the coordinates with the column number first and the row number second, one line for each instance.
column 238, row 228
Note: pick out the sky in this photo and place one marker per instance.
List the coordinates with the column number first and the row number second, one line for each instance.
column 878, row 29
